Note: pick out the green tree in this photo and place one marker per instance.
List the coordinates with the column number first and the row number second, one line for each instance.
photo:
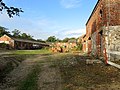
column 3, row 31
column 26, row 36
column 58, row 40
column 65, row 40
column 51, row 39
column 16, row 33
column 40, row 40
column 11, row 11
column 30, row 37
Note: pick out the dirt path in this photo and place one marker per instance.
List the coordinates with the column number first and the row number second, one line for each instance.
column 62, row 72
column 18, row 74
column 49, row 78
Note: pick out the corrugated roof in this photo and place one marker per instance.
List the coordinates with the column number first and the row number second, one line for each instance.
column 28, row 41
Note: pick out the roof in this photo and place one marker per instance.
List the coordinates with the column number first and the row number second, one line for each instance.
column 28, row 41
column 93, row 11
column 83, row 36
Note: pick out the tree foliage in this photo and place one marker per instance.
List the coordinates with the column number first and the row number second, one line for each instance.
column 40, row 40
column 16, row 33
column 11, row 11
column 67, row 39
column 26, row 36
column 3, row 31
column 51, row 39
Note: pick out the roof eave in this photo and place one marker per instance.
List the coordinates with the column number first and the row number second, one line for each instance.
column 93, row 11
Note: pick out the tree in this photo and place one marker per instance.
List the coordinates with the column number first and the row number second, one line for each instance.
column 58, row 40
column 16, row 33
column 26, row 36
column 51, row 39
column 3, row 31
column 40, row 40
column 65, row 40
column 11, row 11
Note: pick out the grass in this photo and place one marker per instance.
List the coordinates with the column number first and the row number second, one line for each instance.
column 9, row 63
column 7, row 69
column 76, row 75
column 30, row 83
column 41, row 51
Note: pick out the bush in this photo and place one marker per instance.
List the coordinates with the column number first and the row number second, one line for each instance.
column 4, row 46
column 79, row 47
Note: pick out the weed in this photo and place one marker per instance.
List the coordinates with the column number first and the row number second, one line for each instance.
column 30, row 83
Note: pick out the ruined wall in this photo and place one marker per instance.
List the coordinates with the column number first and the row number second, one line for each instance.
column 84, row 47
column 113, row 42
column 111, row 12
column 106, row 12
column 94, row 48
column 93, row 26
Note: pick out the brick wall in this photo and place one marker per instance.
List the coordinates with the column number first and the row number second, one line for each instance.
column 103, row 13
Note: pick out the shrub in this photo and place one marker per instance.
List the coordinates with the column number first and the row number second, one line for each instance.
column 4, row 46
column 79, row 47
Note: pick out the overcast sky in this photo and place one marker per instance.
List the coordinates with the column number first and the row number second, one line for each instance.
column 44, row 18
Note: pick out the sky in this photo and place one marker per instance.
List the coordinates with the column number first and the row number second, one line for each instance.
column 44, row 18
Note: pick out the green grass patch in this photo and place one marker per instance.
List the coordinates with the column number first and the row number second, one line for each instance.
column 42, row 51
column 30, row 83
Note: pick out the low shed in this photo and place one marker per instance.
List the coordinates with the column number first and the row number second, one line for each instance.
column 17, row 43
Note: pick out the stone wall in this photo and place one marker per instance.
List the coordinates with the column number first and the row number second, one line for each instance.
column 94, row 44
column 113, row 42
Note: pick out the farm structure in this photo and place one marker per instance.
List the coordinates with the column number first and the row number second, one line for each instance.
column 103, row 30
column 16, row 43
column 64, row 46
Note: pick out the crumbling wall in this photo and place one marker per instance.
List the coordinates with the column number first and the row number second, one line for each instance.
column 94, row 48
column 113, row 41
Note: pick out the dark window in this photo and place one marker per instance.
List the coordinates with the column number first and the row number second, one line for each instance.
column 101, row 12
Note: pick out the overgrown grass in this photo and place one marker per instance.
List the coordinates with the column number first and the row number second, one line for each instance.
column 30, row 83
column 8, row 63
column 7, row 69
column 41, row 51
column 76, row 75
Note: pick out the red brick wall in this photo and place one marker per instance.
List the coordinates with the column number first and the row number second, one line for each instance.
column 89, row 46
column 100, row 17
column 84, row 47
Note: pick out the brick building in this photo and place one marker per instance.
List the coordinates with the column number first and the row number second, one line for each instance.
column 16, row 43
column 103, row 21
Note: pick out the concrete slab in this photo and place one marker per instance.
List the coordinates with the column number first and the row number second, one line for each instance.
column 114, row 64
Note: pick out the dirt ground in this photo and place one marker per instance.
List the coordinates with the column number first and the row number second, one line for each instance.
column 64, row 72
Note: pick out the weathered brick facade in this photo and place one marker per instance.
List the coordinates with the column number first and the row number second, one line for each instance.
column 106, row 13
